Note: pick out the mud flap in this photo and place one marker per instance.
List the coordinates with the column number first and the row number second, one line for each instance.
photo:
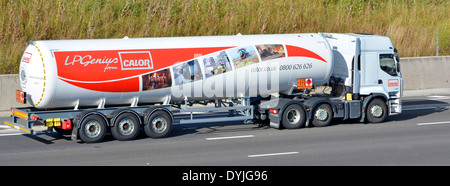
column 74, row 135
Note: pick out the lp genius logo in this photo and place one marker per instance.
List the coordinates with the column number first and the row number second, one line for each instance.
column 137, row 60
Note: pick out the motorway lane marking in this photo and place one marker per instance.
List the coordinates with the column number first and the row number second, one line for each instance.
column 12, row 134
column 426, row 107
column 434, row 123
column 231, row 137
column 17, row 134
column 271, row 154
column 438, row 97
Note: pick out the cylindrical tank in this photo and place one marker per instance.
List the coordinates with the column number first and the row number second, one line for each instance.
column 88, row 73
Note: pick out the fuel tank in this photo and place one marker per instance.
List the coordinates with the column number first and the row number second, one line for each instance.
column 89, row 73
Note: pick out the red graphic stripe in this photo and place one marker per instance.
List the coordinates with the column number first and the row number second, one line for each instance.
column 127, row 85
column 294, row 51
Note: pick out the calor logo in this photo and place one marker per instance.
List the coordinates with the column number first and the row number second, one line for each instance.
column 136, row 60
column 393, row 83
column 26, row 57
column 107, row 60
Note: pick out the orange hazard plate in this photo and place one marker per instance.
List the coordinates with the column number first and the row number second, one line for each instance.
column 21, row 96
column 304, row 83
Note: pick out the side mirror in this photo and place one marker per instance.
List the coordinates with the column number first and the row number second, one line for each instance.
column 397, row 57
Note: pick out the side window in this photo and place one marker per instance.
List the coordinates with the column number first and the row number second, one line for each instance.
column 387, row 64
column 216, row 63
column 187, row 72
column 359, row 62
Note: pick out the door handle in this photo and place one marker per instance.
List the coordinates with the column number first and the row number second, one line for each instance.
column 380, row 81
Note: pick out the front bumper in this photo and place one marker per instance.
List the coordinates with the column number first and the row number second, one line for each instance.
column 395, row 106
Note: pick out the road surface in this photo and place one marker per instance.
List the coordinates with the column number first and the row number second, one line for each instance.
column 418, row 136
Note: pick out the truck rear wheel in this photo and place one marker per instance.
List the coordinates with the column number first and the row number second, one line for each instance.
column 158, row 125
column 92, row 129
column 376, row 111
column 126, row 127
column 322, row 115
column 293, row 117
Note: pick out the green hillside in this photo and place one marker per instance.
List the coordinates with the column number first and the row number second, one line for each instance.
column 411, row 24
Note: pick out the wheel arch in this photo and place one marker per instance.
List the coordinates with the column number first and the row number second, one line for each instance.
column 368, row 99
column 313, row 103
column 284, row 103
column 149, row 111
column 82, row 115
column 120, row 111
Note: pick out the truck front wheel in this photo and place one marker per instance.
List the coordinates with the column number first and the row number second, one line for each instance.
column 293, row 117
column 376, row 111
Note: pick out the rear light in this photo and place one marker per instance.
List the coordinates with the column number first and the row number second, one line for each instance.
column 34, row 118
column 273, row 111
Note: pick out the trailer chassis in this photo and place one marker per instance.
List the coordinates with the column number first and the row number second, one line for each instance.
column 157, row 120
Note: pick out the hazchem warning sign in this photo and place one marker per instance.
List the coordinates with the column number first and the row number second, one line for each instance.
column 304, row 83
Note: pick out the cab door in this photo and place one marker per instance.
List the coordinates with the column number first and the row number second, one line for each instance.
column 388, row 75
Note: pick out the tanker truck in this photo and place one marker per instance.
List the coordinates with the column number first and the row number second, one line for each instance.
column 88, row 88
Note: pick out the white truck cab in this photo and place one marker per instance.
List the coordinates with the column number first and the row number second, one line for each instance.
column 378, row 67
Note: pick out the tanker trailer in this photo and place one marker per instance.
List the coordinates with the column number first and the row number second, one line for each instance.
column 86, row 87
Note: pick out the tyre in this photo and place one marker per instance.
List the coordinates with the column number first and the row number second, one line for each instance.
column 376, row 111
column 322, row 115
column 126, row 127
column 92, row 129
column 293, row 117
column 158, row 125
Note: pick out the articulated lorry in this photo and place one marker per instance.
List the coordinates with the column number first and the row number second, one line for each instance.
column 88, row 88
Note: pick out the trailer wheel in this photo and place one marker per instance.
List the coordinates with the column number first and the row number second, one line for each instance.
column 322, row 115
column 93, row 129
column 158, row 125
column 376, row 111
column 294, row 117
column 126, row 127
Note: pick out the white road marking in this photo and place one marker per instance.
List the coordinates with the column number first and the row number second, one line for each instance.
column 438, row 97
column 271, row 154
column 17, row 134
column 434, row 123
column 231, row 137
column 425, row 107
column 12, row 134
